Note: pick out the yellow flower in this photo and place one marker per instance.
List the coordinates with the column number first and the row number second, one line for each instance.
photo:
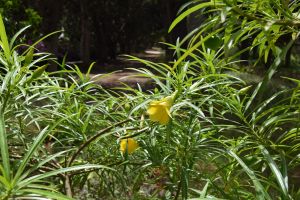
column 129, row 145
column 159, row 111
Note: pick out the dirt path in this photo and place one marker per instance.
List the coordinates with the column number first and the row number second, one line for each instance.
column 117, row 74
column 122, row 78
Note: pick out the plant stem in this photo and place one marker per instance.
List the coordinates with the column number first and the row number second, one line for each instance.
column 178, row 190
column 68, row 177
column 92, row 139
column 68, row 186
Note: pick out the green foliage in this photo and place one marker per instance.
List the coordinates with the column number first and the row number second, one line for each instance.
column 60, row 132
column 262, row 26
column 249, row 121
column 18, row 14
column 30, row 115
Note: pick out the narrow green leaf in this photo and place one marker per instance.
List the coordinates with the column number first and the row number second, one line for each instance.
column 276, row 171
column 50, row 34
column 90, row 69
column 30, row 152
column 46, row 160
column 36, row 144
column 261, row 87
column 37, row 73
column 4, row 147
column 29, row 57
column 204, row 191
column 4, row 40
column 39, row 177
column 188, row 12
column 195, row 46
column 261, row 193
column 4, row 182
column 12, row 41
column 284, row 170
column 45, row 193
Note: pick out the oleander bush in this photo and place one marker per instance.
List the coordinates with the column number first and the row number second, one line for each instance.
column 201, row 133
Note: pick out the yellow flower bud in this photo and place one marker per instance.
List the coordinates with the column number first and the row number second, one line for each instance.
column 159, row 111
column 129, row 145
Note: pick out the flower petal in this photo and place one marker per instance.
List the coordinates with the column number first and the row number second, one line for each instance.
column 159, row 111
column 129, row 145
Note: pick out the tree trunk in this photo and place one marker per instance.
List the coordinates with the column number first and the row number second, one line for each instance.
column 51, row 14
column 85, row 34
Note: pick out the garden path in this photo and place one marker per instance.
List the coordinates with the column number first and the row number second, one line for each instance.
column 120, row 72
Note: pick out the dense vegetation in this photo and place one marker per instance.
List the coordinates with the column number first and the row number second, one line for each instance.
column 201, row 133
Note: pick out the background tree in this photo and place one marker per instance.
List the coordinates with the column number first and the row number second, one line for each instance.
column 18, row 14
column 95, row 30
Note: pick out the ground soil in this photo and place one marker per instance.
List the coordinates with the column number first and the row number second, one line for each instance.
column 121, row 72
